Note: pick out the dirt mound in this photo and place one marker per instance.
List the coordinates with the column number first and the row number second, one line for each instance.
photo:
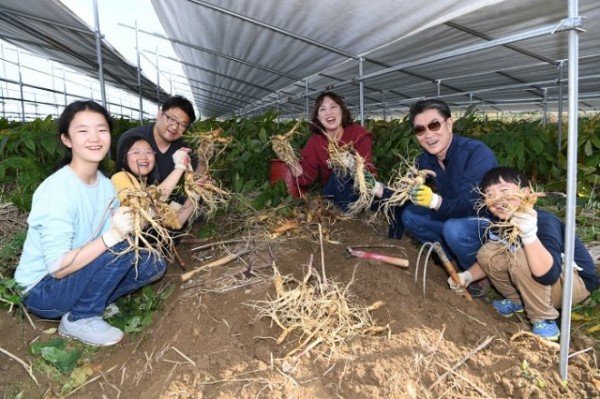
column 205, row 342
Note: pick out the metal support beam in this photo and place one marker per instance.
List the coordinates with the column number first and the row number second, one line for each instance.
column 306, row 98
column 139, row 75
column 274, row 29
column 559, row 122
column 21, row 85
column 157, row 79
column 361, row 92
column 545, row 110
column 217, row 54
column 567, row 298
column 546, row 30
column 99, row 54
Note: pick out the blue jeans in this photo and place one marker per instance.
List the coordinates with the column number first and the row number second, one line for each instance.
column 86, row 292
column 460, row 238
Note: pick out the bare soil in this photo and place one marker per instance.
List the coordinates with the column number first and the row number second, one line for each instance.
column 205, row 341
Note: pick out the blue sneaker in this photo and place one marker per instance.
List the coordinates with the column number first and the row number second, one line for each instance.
column 546, row 329
column 507, row 308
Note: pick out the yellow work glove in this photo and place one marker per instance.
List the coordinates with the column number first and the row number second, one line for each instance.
column 423, row 196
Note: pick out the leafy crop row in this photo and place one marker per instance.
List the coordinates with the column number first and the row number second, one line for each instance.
column 30, row 152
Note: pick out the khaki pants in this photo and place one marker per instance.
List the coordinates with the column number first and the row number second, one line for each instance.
column 510, row 274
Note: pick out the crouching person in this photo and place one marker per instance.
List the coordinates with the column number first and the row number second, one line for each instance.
column 73, row 262
column 528, row 272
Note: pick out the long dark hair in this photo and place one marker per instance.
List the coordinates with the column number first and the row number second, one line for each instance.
column 65, row 119
column 316, row 126
column 121, row 161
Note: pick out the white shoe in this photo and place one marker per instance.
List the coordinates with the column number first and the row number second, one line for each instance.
column 92, row 331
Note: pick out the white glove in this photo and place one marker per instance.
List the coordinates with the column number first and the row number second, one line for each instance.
column 464, row 278
column 121, row 225
column 377, row 189
column 181, row 159
column 526, row 223
column 348, row 160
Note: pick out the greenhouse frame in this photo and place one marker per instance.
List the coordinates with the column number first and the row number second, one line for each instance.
column 243, row 58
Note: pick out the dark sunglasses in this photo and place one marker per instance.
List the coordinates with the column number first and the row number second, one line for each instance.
column 433, row 126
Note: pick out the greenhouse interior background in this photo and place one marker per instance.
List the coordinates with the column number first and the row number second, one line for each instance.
column 508, row 58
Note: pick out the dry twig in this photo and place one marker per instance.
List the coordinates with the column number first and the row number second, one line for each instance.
column 26, row 366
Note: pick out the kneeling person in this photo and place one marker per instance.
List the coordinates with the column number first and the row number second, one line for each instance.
column 528, row 273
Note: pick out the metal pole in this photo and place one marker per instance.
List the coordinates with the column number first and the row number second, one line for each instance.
column 560, row 105
column 306, row 97
column 91, row 89
column 139, row 74
column 54, row 88
column 545, row 112
column 99, row 53
column 157, row 79
column 384, row 105
column 277, row 105
column 567, row 299
column 21, row 85
column 361, row 92
column 5, row 83
column 64, row 85
column 439, row 88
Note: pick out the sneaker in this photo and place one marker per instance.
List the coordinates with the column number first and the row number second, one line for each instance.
column 546, row 329
column 507, row 308
column 92, row 331
column 479, row 288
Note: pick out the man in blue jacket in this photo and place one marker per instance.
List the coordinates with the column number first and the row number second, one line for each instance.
column 443, row 210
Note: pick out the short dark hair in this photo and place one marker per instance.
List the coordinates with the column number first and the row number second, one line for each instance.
column 425, row 105
column 65, row 119
column 316, row 126
column 180, row 102
column 507, row 174
column 121, row 161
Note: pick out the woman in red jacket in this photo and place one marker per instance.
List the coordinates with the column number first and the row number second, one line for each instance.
column 331, row 118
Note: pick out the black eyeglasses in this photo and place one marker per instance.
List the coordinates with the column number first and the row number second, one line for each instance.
column 173, row 121
column 433, row 126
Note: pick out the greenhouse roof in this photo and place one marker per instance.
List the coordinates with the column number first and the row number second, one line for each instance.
column 245, row 57
column 52, row 30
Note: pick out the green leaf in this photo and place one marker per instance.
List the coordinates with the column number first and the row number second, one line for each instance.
column 61, row 359
column 262, row 135
column 587, row 149
column 57, row 343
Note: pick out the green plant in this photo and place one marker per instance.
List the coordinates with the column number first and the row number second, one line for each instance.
column 587, row 315
column 28, row 155
column 10, row 251
column 135, row 311
column 56, row 353
column 9, row 293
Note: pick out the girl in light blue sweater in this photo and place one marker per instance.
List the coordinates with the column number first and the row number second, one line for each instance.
column 69, row 267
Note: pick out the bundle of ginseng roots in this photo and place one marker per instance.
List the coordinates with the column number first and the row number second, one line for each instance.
column 206, row 193
column 506, row 232
column 282, row 147
column 315, row 312
column 150, row 215
column 364, row 181
column 406, row 179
